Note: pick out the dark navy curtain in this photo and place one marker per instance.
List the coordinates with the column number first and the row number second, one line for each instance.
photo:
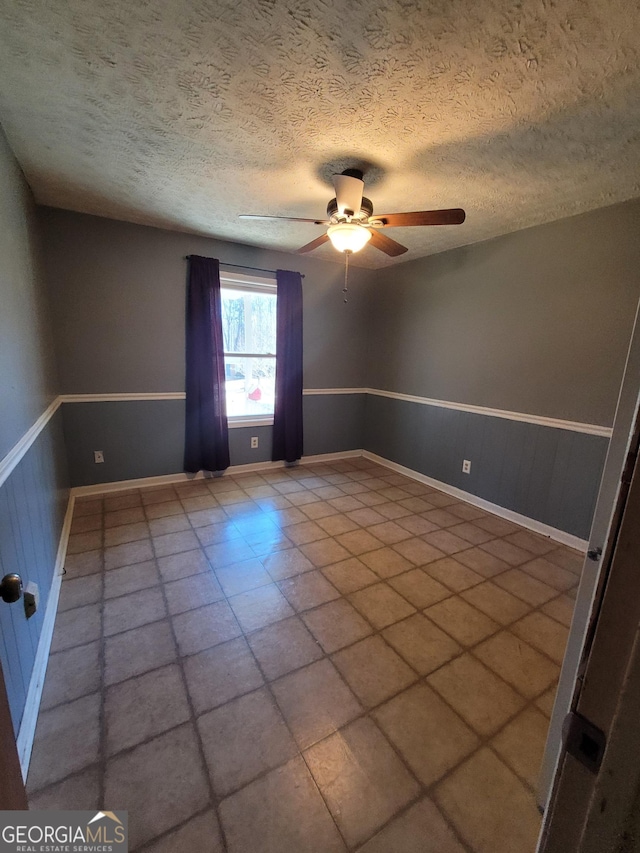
column 287, row 418
column 206, row 432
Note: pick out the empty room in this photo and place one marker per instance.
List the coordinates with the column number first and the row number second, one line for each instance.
column 319, row 383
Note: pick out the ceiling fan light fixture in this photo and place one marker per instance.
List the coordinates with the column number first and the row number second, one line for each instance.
column 348, row 236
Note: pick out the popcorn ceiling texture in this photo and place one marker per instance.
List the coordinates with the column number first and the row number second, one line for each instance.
column 185, row 113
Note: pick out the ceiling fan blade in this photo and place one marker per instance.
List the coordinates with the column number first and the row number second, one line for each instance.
column 349, row 191
column 386, row 244
column 454, row 216
column 286, row 218
column 323, row 238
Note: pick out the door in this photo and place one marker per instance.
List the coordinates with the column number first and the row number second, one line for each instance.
column 590, row 589
column 12, row 792
column 592, row 809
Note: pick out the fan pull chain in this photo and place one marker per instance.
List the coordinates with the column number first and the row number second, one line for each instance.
column 346, row 274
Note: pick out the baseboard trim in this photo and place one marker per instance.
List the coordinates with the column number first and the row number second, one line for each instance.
column 523, row 520
column 169, row 479
column 26, row 734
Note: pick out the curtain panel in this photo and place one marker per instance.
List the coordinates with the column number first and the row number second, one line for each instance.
column 206, row 431
column 287, row 418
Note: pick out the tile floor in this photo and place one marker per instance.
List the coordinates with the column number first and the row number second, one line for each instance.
column 323, row 658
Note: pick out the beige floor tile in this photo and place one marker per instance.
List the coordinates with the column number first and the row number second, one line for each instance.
column 441, row 517
column 287, row 564
column 421, row 829
column 121, row 517
column 361, row 778
column 163, row 509
column 466, row 511
column 320, row 509
column 79, row 792
column 131, row 611
column 243, row 739
column 243, row 576
column 204, row 627
column 76, row 627
column 200, row 833
column 381, row 605
column 482, row 562
column 416, row 525
column 561, row 609
column 191, row 592
column 471, row 532
column 518, row 663
column 366, row 517
column 506, row 551
column 222, row 673
column 485, row 701
column 567, row 558
column 160, row 783
column 335, row 625
column 469, row 797
column 424, row 646
column 286, row 515
column 282, row 647
column 545, row 702
column 122, row 501
column 431, row 738
column 463, row 622
column 390, row 510
column 544, row 634
column 87, row 506
column 81, row 542
column 210, row 518
column 158, row 495
column 324, row 552
column 418, row 552
column 197, row 502
column 373, row 670
column 495, row 602
column 523, row 586
column 226, row 553
column 183, row 565
column 386, row 562
column 521, row 744
column 305, row 532
column 453, row 574
column 419, row 588
column 128, row 554
column 72, row 674
column 446, row 541
column 142, row 707
column 497, row 526
column 77, row 592
column 389, row 532
column 126, row 533
column 138, row 651
column 543, row 570
column 282, row 811
column 532, row 542
column 358, row 542
column 76, row 723
column 308, row 590
column 336, row 524
column 315, row 702
column 260, row 607
column 130, row 579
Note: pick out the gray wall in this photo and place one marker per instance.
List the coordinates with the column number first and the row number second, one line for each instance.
column 33, row 498
column 536, row 322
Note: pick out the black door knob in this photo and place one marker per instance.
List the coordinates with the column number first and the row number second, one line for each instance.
column 11, row 588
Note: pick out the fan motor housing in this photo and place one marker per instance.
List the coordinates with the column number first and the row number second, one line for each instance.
column 366, row 210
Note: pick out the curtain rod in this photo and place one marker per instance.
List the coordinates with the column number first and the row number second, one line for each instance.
column 244, row 267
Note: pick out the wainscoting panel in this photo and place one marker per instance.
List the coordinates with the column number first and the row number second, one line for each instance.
column 548, row 474
column 145, row 438
column 33, row 500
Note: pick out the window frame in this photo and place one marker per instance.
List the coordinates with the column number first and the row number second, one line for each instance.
column 245, row 282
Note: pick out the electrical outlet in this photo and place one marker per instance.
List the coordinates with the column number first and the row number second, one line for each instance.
column 466, row 466
column 254, row 442
column 98, row 456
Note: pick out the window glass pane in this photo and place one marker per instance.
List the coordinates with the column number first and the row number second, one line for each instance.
column 248, row 321
column 250, row 385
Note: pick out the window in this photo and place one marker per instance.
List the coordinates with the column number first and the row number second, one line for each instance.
column 249, row 334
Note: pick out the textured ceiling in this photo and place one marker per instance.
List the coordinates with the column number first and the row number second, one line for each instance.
column 185, row 113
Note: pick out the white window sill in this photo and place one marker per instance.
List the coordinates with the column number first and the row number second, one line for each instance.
column 237, row 422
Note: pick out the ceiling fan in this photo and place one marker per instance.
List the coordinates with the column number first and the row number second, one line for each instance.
column 352, row 223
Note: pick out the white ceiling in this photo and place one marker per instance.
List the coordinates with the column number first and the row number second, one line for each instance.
column 185, row 113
